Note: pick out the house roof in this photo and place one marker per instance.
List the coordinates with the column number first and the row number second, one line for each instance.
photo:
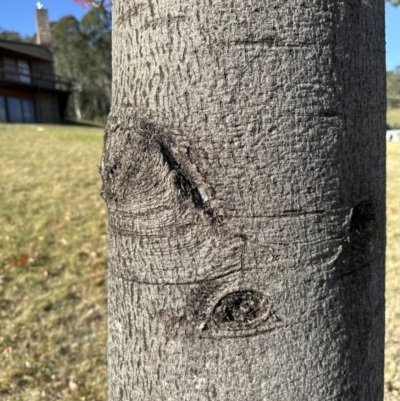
column 28, row 49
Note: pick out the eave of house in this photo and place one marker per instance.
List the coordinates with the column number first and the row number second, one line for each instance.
column 30, row 50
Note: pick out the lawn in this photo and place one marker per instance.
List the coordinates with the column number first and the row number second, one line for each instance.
column 392, row 350
column 53, row 266
column 393, row 118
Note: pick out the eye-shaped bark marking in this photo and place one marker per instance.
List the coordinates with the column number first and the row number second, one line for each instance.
column 362, row 223
column 239, row 310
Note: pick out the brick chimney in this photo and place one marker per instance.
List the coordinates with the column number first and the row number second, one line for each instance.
column 43, row 31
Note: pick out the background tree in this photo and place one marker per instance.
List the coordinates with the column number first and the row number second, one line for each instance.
column 243, row 170
column 82, row 53
column 15, row 36
column 393, row 81
column 393, row 88
column 94, row 3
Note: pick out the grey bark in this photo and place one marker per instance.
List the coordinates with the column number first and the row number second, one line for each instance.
column 243, row 170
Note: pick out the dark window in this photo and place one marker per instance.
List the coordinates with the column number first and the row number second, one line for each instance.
column 11, row 69
column 28, row 111
column 14, row 110
column 16, row 70
column 18, row 110
column 24, row 71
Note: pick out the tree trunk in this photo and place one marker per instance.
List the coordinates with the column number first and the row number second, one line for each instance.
column 243, row 170
column 76, row 97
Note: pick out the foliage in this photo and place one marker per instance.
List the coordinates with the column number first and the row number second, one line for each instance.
column 84, row 3
column 52, row 265
column 15, row 36
column 95, row 3
column 393, row 118
column 393, row 88
column 82, row 53
column 393, row 81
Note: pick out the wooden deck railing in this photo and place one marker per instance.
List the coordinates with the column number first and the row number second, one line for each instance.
column 44, row 81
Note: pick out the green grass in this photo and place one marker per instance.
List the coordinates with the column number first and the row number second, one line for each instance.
column 393, row 118
column 53, row 266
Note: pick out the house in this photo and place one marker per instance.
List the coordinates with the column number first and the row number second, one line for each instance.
column 29, row 89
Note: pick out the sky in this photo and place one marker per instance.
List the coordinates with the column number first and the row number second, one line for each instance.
column 392, row 36
column 18, row 15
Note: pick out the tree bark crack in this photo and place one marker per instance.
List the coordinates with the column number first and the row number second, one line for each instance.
column 188, row 188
